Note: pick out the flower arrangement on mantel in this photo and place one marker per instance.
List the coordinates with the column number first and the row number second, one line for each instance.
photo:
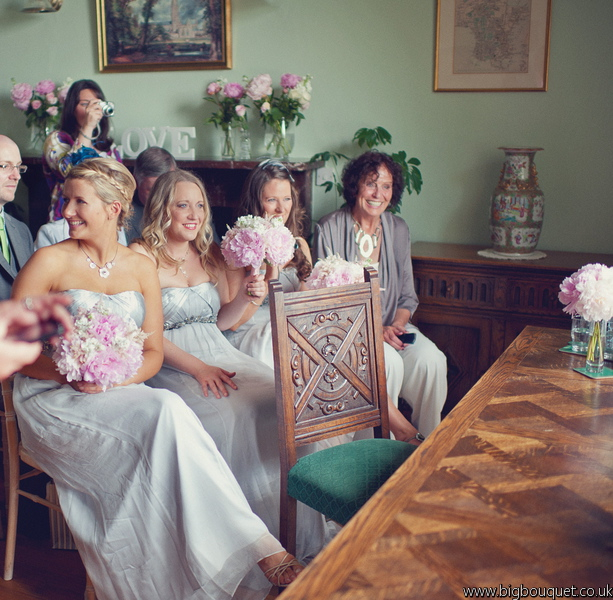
column 42, row 104
column 589, row 293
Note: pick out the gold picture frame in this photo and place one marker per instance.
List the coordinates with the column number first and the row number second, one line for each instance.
column 165, row 35
column 492, row 45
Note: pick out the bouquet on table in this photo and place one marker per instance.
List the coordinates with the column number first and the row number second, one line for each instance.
column 42, row 104
column 589, row 293
column 256, row 240
column 279, row 108
column 228, row 97
column 334, row 270
column 104, row 348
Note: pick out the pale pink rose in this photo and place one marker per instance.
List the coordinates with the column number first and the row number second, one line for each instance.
column 234, row 90
column 213, row 88
column 240, row 109
column 52, row 110
column 265, row 107
column 46, row 86
column 290, row 81
column 36, row 104
column 259, row 86
column 21, row 95
column 51, row 99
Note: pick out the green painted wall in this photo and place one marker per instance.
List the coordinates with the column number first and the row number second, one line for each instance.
column 372, row 64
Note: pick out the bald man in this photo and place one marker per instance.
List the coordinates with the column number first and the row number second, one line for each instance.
column 17, row 246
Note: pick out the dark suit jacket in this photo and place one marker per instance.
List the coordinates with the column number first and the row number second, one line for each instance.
column 22, row 248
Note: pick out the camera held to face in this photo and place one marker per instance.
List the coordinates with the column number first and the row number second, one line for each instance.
column 108, row 108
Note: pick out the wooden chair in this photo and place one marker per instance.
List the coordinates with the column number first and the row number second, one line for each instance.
column 330, row 380
column 13, row 452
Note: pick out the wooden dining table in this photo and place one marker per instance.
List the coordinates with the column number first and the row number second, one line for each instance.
column 512, row 492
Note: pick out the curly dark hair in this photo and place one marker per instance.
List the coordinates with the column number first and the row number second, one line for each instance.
column 69, row 122
column 251, row 204
column 366, row 165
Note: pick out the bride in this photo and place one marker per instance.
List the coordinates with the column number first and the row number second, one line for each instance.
column 152, row 505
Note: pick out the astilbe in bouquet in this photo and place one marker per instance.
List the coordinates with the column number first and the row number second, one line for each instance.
column 256, row 240
column 104, row 348
column 42, row 104
column 334, row 270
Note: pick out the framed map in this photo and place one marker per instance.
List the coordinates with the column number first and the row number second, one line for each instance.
column 163, row 35
column 492, row 45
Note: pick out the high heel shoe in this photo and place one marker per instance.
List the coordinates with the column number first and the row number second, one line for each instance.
column 275, row 574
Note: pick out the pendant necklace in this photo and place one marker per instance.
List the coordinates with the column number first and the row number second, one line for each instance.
column 180, row 263
column 104, row 270
column 365, row 241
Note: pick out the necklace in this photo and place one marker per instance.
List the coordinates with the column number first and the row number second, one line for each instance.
column 365, row 241
column 180, row 262
column 104, row 270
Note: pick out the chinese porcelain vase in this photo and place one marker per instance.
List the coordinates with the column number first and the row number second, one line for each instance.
column 516, row 217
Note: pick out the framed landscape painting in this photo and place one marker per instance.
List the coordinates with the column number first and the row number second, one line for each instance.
column 163, row 35
column 492, row 45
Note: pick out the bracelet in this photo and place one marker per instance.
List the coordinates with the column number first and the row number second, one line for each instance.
column 254, row 303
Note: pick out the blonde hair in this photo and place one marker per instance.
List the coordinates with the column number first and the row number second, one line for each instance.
column 157, row 220
column 111, row 181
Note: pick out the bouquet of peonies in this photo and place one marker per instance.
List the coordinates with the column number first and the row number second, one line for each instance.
column 589, row 293
column 228, row 98
column 42, row 104
column 255, row 240
column 334, row 270
column 104, row 348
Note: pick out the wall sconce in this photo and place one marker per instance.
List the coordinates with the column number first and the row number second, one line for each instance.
column 42, row 6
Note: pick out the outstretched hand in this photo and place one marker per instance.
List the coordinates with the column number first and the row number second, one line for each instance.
column 215, row 379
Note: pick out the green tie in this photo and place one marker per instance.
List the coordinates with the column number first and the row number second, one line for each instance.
column 4, row 240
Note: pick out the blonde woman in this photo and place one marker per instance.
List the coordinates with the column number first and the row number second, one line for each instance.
column 153, row 507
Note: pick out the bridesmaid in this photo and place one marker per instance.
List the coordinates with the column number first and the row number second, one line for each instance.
column 269, row 191
column 232, row 394
column 154, row 509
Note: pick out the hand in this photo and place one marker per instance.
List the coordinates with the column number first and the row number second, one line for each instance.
column 390, row 335
column 216, row 379
column 255, row 286
column 94, row 114
column 86, row 387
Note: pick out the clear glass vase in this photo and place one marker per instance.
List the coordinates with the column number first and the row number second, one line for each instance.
column 38, row 135
column 244, row 145
column 279, row 140
column 227, row 142
column 594, row 358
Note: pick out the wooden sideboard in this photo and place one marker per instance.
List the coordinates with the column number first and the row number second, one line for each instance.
column 223, row 180
column 474, row 307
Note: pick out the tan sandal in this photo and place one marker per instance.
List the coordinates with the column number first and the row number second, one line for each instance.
column 275, row 574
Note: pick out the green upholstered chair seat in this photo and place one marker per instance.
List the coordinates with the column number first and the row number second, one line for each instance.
column 337, row 481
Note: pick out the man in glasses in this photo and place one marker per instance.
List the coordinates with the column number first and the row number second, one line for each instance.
column 16, row 244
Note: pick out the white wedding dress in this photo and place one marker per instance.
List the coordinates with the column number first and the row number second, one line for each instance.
column 152, row 505
column 243, row 424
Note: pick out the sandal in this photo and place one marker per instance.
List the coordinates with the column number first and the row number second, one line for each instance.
column 275, row 574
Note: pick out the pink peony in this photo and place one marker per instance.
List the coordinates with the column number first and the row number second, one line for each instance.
column 45, row 86
column 21, row 95
column 589, row 292
column 240, row 109
column 52, row 111
column 265, row 107
column 290, row 81
column 36, row 104
column 61, row 95
column 213, row 88
column 259, row 86
column 280, row 245
column 234, row 90
column 333, row 271
column 51, row 98
column 245, row 248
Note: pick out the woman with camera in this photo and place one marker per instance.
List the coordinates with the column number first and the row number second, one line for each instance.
column 83, row 133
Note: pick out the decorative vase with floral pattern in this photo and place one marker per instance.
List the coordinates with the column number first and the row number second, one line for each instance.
column 517, row 206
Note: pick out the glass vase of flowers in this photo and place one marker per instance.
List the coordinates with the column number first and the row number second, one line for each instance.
column 231, row 114
column 589, row 293
column 42, row 105
column 280, row 109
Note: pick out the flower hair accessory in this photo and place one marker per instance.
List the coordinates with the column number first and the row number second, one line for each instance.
column 104, row 348
column 255, row 240
column 333, row 271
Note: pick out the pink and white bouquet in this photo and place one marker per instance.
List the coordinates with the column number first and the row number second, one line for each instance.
column 589, row 293
column 334, row 270
column 104, row 348
column 42, row 104
column 228, row 97
column 255, row 240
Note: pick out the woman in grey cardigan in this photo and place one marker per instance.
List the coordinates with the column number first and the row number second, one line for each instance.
column 363, row 230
